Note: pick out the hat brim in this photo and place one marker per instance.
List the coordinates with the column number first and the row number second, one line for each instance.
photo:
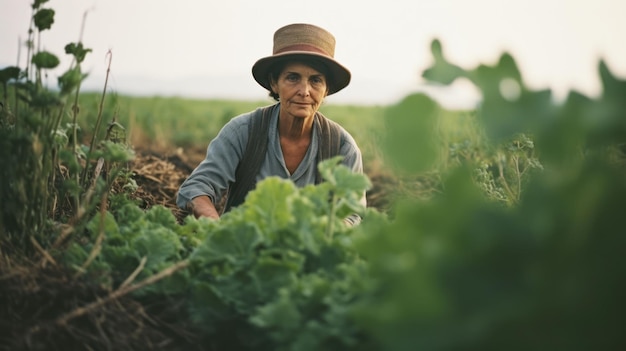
column 340, row 74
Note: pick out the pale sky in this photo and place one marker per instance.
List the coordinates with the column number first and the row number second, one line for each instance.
column 207, row 47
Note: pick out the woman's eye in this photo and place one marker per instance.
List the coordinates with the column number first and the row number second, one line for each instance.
column 292, row 78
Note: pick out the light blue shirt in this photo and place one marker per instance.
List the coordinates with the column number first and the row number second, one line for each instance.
column 214, row 174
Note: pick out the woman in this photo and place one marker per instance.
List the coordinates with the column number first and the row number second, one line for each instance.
column 287, row 139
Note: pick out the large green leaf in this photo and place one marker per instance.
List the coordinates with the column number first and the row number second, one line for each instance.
column 411, row 138
column 45, row 60
column 235, row 244
column 9, row 73
column 44, row 18
column 441, row 71
column 70, row 80
column 37, row 3
column 246, row 289
column 105, row 222
column 160, row 245
column 77, row 50
column 269, row 205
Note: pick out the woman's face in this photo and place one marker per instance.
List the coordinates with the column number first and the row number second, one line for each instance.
column 301, row 89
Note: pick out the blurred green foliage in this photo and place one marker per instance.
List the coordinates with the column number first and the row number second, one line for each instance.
column 459, row 272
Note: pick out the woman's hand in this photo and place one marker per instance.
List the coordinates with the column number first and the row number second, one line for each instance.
column 202, row 206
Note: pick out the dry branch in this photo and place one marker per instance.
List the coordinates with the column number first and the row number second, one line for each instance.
column 62, row 321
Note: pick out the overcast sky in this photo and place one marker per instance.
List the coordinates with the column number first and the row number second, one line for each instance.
column 213, row 44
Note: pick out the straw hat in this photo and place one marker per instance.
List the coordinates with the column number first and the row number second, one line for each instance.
column 303, row 41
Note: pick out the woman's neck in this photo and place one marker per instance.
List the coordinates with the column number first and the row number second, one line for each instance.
column 295, row 127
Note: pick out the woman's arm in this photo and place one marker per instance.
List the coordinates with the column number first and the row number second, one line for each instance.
column 202, row 206
column 214, row 174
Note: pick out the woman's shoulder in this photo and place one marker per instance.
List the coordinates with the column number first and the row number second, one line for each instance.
column 236, row 128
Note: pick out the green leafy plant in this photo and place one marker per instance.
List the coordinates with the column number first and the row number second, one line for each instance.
column 50, row 175
column 460, row 272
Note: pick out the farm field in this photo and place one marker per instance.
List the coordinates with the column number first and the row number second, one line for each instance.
column 170, row 134
column 500, row 228
column 416, row 156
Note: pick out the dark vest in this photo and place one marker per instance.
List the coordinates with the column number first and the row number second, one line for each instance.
column 329, row 142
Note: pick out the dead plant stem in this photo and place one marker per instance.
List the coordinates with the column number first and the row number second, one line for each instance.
column 63, row 320
column 99, row 117
column 135, row 273
column 43, row 252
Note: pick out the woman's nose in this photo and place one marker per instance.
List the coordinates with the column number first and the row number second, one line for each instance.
column 304, row 89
